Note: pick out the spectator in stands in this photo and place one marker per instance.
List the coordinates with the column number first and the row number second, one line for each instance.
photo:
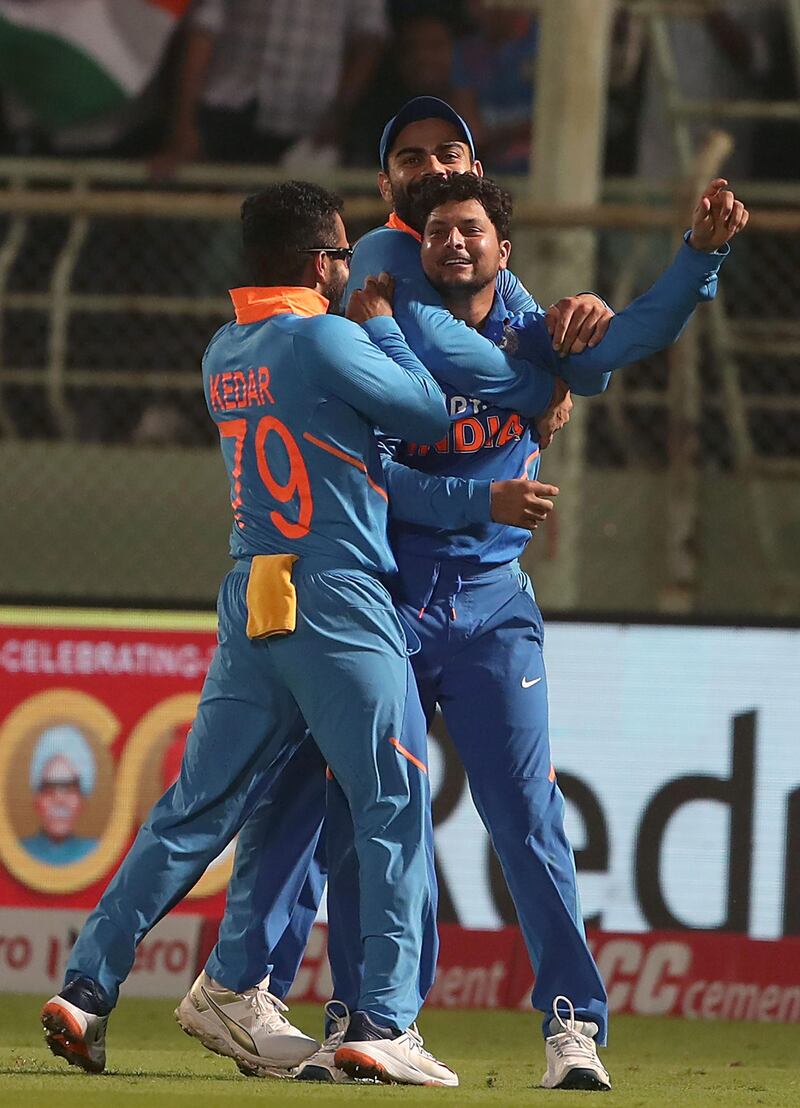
column 78, row 79
column 419, row 63
column 775, row 149
column 258, row 79
column 625, row 81
column 495, row 64
column 721, row 54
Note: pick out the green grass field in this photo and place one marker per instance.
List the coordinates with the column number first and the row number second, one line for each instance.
column 498, row 1056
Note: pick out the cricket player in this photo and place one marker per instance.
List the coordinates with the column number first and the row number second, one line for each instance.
column 473, row 610
column 308, row 637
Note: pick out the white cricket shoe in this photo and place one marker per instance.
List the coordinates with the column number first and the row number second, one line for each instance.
column 249, row 1027
column 321, row 1066
column 369, row 1051
column 72, row 1030
column 572, row 1061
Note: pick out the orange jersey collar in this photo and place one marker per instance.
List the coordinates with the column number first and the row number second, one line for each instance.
column 254, row 303
column 397, row 224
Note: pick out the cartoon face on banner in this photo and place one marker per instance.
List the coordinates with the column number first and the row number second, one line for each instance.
column 65, row 802
column 68, row 807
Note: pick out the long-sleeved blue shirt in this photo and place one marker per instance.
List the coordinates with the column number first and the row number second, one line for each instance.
column 297, row 395
column 441, row 510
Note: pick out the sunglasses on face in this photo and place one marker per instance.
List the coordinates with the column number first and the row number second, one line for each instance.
column 338, row 253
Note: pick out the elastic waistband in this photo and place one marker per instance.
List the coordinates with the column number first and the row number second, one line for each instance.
column 453, row 570
column 305, row 566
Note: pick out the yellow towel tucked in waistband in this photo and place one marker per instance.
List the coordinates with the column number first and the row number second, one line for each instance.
column 271, row 596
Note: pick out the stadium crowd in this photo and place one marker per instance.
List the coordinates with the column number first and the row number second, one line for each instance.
column 294, row 82
column 242, row 81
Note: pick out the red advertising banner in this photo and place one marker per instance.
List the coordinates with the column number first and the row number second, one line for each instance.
column 694, row 974
column 94, row 712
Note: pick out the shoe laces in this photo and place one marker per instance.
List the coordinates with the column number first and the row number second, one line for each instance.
column 268, row 1009
column 339, row 1015
column 417, row 1040
column 570, row 1040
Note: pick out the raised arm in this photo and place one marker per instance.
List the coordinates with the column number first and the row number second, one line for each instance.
column 656, row 319
column 650, row 323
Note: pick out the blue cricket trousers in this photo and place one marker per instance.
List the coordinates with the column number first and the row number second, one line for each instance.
column 344, row 674
column 481, row 660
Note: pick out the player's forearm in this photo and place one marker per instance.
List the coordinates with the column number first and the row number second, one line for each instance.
column 653, row 321
column 472, row 365
column 444, row 503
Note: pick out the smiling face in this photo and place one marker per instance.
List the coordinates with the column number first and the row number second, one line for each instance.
column 427, row 148
column 461, row 251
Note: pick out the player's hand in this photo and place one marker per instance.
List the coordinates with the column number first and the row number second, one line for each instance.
column 375, row 299
column 556, row 416
column 717, row 218
column 576, row 322
column 521, row 503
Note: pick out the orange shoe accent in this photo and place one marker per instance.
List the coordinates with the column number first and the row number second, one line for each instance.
column 407, row 754
column 65, row 1037
column 350, row 1060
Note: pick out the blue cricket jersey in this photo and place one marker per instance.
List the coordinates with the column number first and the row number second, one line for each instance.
column 440, row 493
column 296, row 395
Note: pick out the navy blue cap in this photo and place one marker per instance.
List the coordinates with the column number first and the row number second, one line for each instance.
column 422, row 107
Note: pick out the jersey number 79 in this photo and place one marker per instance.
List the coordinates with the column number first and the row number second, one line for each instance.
column 297, row 483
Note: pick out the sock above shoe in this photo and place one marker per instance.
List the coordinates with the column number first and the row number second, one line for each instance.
column 86, row 995
column 362, row 1029
column 583, row 1027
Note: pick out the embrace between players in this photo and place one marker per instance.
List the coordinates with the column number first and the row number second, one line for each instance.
column 376, row 578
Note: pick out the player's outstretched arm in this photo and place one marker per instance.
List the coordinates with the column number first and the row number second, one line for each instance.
column 656, row 319
column 455, row 353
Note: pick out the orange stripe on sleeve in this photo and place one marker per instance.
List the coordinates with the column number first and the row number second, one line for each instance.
column 407, row 754
column 528, row 461
column 345, row 457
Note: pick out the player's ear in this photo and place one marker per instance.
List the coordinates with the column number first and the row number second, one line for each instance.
column 477, row 168
column 385, row 187
column 316, row 271
column 505, row 253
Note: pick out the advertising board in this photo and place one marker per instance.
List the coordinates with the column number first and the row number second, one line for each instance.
column 676, row 749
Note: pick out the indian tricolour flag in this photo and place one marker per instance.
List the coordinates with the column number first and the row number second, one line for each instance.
column 72, row 61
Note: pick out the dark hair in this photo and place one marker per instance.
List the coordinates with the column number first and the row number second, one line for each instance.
column 496, row 201
column 279, row 222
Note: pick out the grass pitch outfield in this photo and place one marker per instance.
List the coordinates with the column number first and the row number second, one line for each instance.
column 653, row 1062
